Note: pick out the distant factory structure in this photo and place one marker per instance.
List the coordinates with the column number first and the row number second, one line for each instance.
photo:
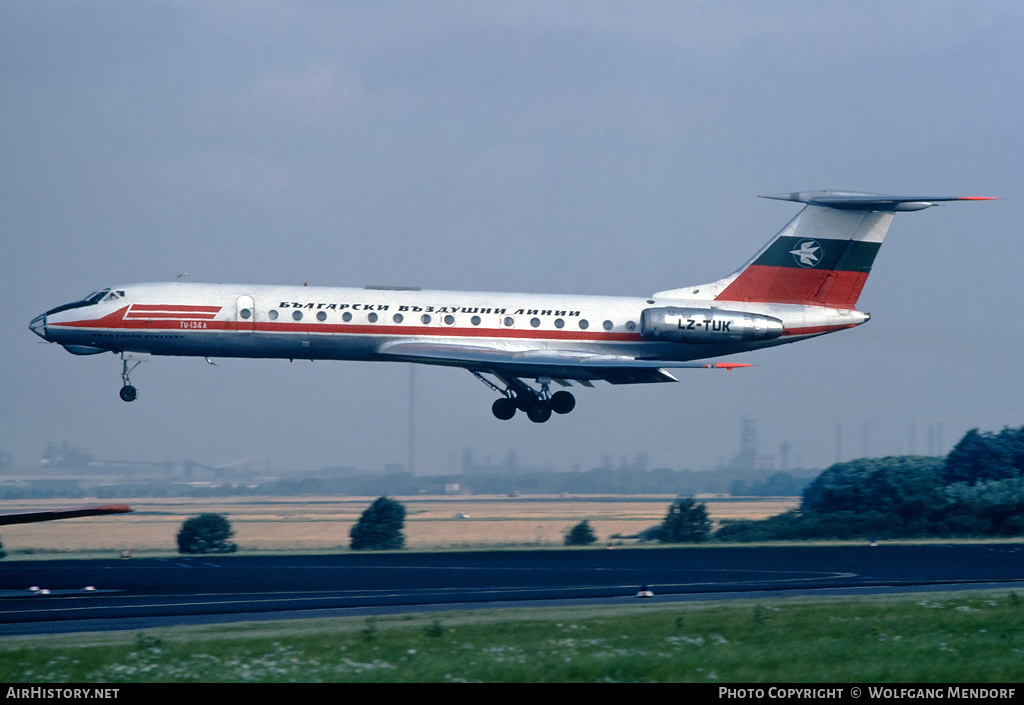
column 749, row 459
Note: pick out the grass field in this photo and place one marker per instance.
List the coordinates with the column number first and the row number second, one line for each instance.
column 953, row 637
column 323, row 523
column 950, row 637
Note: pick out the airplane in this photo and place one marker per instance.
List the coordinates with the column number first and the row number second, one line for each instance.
column 804, row 283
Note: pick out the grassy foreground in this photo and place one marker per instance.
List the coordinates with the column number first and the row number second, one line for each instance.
column 938, row 637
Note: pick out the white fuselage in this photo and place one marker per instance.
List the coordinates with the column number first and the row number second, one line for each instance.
column 306, row 322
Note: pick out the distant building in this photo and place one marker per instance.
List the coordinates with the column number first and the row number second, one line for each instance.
column 748, row 460
column 65, row 457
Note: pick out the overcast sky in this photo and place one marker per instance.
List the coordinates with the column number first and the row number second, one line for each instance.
column 563, row 147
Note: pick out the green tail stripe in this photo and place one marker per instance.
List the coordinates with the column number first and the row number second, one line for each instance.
column 820, row 253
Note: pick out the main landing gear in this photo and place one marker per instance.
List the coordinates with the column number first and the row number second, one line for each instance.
column 128, row 392
column 519, row 396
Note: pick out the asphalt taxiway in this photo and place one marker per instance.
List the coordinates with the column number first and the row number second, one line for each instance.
column 88, row 595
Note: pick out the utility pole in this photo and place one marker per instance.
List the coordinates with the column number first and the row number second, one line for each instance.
column 411, row 460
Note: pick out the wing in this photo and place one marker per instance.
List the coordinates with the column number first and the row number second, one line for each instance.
column 577, row 365
column 54, row 514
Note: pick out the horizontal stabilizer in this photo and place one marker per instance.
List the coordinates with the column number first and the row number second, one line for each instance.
column 854, row 201
column 824, row 255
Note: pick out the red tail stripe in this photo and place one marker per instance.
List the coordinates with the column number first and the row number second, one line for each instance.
column 788, row 285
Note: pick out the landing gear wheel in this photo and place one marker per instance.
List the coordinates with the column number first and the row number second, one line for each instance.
column 562, row 402
column 504, row 408
column 539, row 411
column 128, row 392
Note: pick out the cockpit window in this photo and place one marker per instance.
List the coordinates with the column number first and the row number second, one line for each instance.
column 90, row 300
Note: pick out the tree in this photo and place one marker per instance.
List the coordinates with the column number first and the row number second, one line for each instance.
column 206, row 533
column 380, row 527
column 990, row 508
column 906, row 485
column 580, row 535
column 980, row 457
column 686, row 522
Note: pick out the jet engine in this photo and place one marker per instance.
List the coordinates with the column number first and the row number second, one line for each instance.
column 707, row 325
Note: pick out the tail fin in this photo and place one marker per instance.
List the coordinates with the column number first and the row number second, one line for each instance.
column 823, row 256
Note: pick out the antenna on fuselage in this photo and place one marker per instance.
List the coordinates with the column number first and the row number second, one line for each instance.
column 183, row 274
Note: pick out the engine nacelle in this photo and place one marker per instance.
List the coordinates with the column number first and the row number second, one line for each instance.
column 707, row 325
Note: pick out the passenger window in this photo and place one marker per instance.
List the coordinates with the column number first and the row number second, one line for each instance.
column 321, row 316
column 297, row 315
column 272, row 314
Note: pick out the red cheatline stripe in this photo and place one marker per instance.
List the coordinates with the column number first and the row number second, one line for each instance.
column 408, row 331
column 176, row 307
column 161, row 314
column 107, row 323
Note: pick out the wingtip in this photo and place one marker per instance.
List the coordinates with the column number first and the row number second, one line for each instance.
column 727, row 365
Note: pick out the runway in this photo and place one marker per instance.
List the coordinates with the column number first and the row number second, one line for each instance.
column 152, row 592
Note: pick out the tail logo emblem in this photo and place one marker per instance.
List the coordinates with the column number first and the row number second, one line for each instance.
column 808, row 254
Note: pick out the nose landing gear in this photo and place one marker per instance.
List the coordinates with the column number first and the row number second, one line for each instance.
column 128, row 392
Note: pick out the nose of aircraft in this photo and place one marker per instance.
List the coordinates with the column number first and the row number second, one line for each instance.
column 38, row 326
